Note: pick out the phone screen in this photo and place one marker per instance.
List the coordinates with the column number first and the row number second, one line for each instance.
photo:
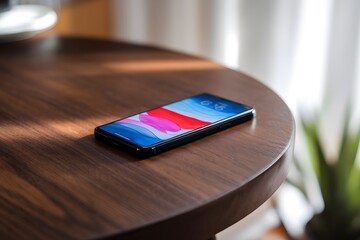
column 175, row 119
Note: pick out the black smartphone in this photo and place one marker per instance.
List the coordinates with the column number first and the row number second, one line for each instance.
column 157, row 130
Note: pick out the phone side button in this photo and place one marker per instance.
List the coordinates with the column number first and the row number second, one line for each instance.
column 224, row 126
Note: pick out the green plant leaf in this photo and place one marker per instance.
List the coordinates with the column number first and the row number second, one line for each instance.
column 323, row 171
column 347, row 154
column 353, row 190
column 310, row 136
column 339, row 182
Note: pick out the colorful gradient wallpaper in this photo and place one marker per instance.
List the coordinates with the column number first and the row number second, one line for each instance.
column 159, row 124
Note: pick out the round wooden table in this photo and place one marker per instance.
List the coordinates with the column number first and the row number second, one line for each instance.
column 58, row 182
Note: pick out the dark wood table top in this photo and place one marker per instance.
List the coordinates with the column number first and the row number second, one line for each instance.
column 57, row 182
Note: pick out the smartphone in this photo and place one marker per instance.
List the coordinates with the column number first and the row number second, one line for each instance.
column 157, row 130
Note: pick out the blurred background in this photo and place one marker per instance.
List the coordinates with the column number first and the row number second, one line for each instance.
column 307, row 51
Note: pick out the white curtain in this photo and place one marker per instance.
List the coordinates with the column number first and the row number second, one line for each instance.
column 253, row 36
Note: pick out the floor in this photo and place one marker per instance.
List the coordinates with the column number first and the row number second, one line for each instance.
column 262, row 224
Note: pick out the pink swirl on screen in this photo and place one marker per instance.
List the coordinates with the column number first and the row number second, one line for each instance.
column 159, row 123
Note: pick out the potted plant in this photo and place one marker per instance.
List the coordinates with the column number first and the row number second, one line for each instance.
column 339, row 183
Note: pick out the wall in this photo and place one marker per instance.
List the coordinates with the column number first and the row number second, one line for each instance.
column 85, row 18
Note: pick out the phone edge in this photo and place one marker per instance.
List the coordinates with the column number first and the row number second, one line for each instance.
column 145, row 152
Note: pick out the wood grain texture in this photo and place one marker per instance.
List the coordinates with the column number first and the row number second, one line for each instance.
column 57, row 182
